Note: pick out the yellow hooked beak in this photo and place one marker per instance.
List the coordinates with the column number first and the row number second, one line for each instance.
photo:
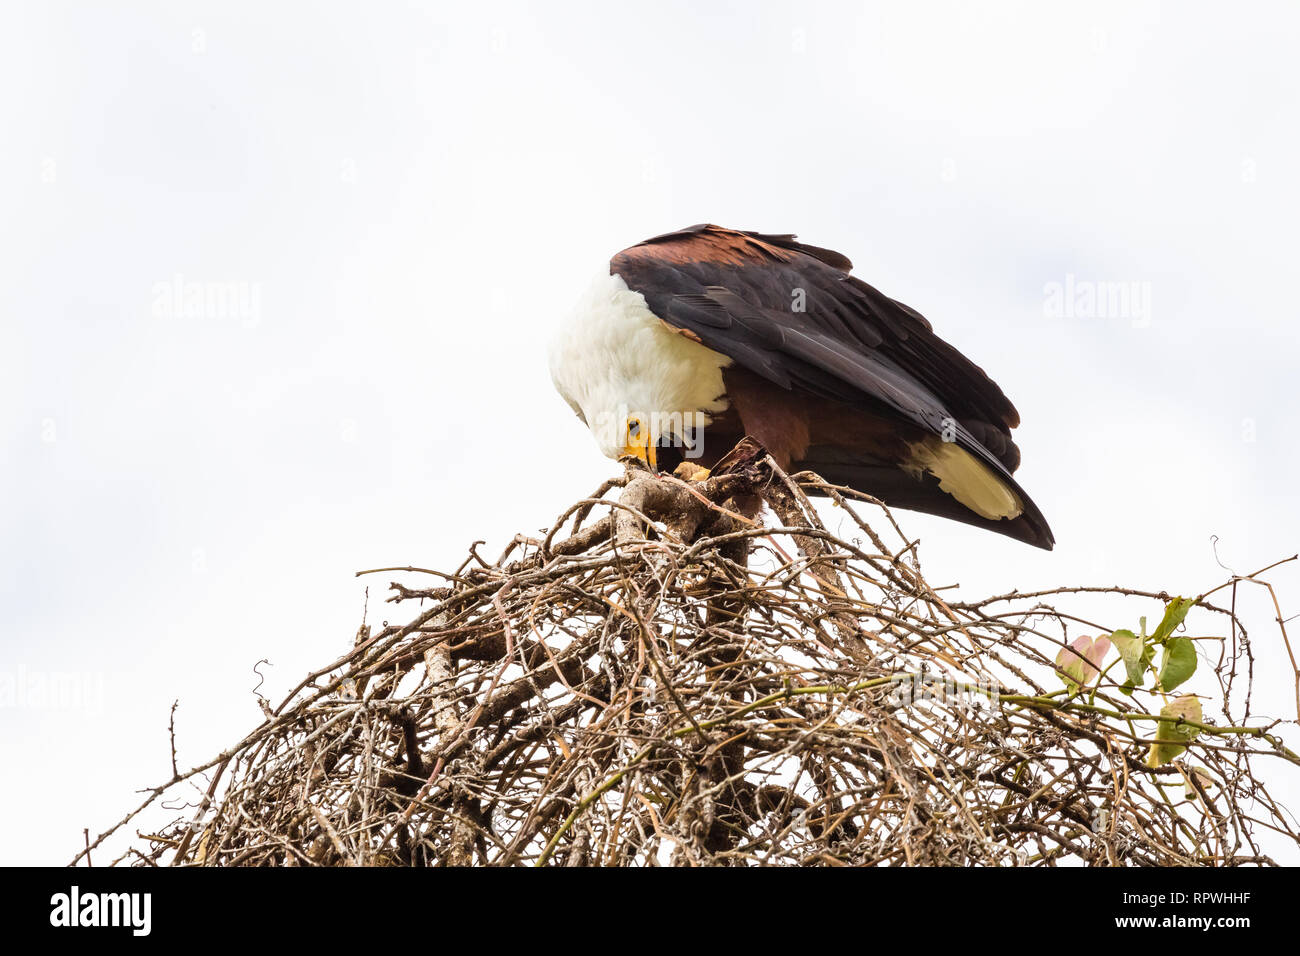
column 639, row 443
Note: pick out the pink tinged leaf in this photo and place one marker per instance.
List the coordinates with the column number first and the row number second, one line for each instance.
column 1100, row 648
column 1080, row 663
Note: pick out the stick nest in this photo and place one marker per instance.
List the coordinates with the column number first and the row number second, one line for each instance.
column 672, row 680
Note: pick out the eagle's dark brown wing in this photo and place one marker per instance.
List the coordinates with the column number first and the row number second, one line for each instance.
column 792, row 314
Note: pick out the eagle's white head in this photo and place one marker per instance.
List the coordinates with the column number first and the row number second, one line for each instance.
column 634, row 381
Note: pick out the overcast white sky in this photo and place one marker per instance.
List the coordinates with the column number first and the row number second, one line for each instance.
column 409, row 196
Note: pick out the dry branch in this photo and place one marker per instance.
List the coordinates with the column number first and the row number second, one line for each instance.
column 677, row 682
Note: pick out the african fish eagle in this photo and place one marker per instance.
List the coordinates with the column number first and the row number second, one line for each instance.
column 698, row 337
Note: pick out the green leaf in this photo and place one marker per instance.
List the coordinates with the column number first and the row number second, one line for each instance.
column 1178, row 663
column 1175, row 611
column 1172, row 736
column 1135, row 654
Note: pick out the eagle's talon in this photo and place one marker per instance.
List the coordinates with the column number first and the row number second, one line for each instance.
column 689, row 471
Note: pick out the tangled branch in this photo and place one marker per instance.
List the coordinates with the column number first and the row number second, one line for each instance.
column 675, row 681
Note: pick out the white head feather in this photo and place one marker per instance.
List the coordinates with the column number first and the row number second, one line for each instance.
column 614, row 360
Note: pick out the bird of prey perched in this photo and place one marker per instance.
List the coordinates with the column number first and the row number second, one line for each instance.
column 698, row 337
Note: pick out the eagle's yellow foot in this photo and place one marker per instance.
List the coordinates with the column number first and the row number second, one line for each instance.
column 689, row 471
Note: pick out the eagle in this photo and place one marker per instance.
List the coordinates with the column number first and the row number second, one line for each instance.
column 696, row 338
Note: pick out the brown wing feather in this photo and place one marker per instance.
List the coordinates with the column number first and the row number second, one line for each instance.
column 736, row 290
column 738, row 293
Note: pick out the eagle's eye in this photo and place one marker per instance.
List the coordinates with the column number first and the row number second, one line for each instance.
column 633, row 427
